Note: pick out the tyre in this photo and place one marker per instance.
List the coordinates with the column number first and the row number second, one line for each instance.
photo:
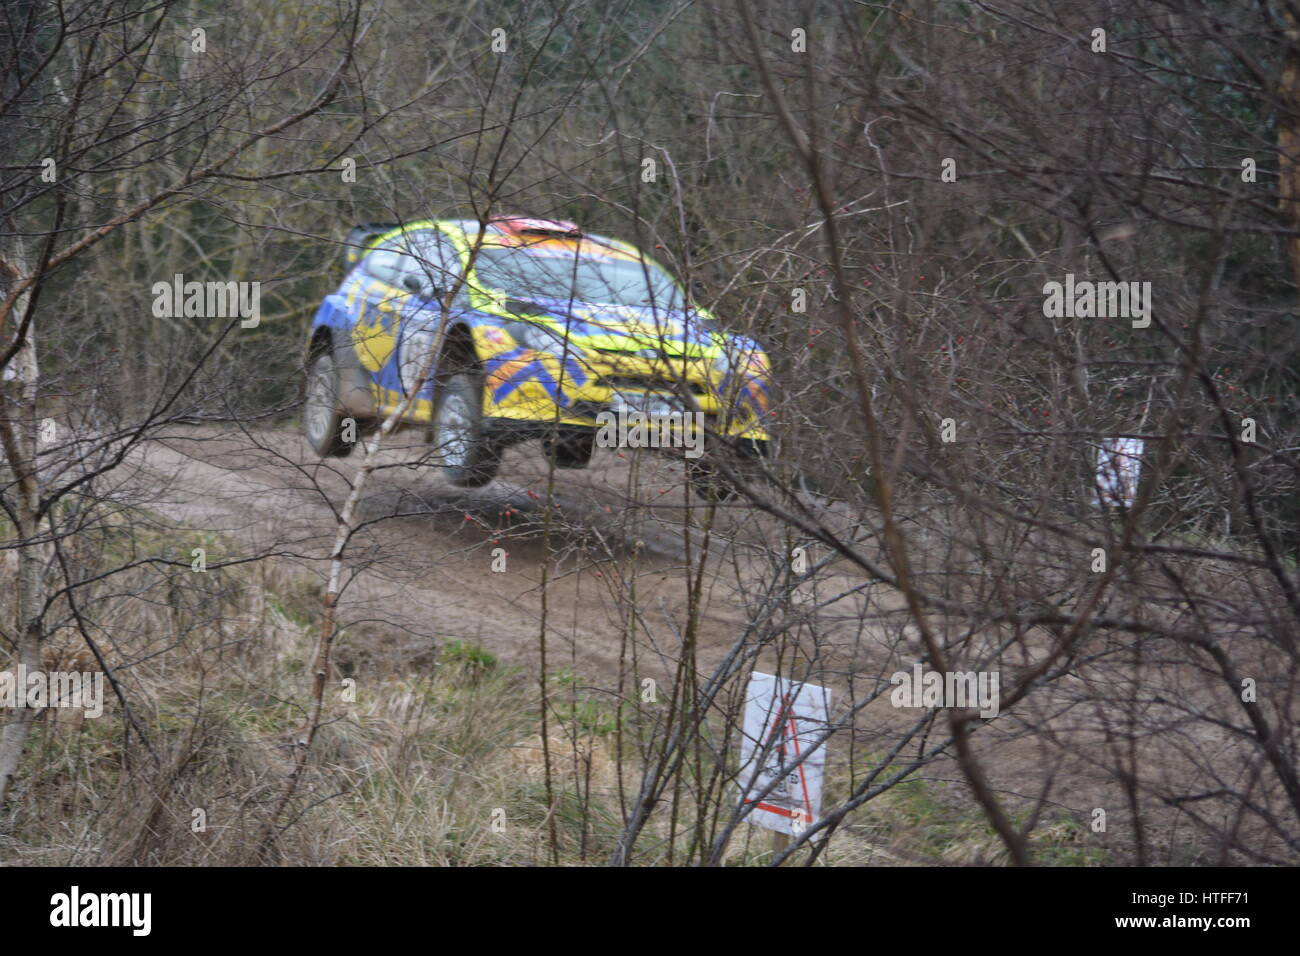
column 470, row 456
column 710, row 483
column 570, row 447
column 323, row 418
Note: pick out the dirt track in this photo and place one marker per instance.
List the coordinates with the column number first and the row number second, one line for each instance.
column 420, row 574
column 421, row 564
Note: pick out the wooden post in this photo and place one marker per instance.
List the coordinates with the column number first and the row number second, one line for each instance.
column 780, row 841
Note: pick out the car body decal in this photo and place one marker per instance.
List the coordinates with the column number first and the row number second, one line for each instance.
column 510, row 370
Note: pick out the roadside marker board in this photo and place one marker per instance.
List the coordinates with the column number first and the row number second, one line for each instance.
column 1119, row 467
column 784, row 720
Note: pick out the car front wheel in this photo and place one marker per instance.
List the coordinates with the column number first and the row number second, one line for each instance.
column 470, row 456
column 324, row 420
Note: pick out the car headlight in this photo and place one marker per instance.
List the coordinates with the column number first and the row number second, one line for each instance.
column 739, row 359
column 540, row 338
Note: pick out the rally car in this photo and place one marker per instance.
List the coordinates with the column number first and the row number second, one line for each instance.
column 489, row 334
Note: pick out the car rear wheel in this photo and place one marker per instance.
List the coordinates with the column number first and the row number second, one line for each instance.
column 710, row 483
column 324, row 419
column 470, row 455
column 570, row 447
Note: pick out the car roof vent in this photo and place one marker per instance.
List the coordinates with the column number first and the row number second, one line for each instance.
column 521, row 226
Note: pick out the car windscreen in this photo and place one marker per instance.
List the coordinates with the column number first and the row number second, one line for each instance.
column 606, row 281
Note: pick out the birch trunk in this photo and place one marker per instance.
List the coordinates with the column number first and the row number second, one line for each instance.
column 18, row 436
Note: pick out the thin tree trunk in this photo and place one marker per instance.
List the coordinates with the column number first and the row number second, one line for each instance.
column 18, row 428
column 1288, row 139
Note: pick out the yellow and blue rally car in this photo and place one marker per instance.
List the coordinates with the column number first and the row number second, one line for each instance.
column 523, row 328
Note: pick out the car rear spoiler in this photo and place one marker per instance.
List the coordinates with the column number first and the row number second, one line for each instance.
column 359, row 237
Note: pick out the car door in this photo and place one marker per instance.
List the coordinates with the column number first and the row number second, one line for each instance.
column 427, row 271
column 397, row 303
column 377, row 301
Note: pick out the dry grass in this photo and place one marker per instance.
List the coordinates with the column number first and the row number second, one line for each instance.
column 434, row 764
column 437, row 762
column 408, row 773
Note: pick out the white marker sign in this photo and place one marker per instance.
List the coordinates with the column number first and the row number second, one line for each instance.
column 1119, row 465
column 784, row 721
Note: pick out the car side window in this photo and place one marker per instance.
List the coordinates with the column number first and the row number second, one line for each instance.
column 435, row 261
column 385, row 264
column 425, row 261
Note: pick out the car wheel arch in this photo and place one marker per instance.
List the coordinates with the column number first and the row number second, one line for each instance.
column 459, row 347
column 322, row 340
column 354, row 384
